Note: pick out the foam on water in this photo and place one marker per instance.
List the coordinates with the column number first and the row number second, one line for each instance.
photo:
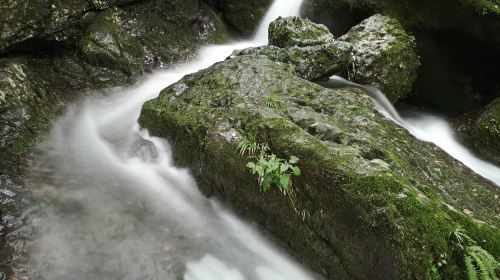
column 427, row 128
column 112, row 205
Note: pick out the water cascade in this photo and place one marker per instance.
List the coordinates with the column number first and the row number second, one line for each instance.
column 112, row 205
column 425, row 127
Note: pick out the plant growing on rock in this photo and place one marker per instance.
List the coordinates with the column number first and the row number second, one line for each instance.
column 479, row 263
column 271, row 170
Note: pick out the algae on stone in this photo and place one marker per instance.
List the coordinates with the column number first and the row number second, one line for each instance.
column 481, row 132
column 384, row 56
column 244, row 15
column 297, row 32
column 382, row 203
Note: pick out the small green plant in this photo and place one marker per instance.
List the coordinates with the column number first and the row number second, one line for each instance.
column 271, row 170
column 273, row 101
column 304, row 213
column 274, row 171
column 479, row 263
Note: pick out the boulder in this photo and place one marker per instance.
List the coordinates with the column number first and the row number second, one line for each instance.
column 312, row 62
column 26, row 103
column 295, row 31
column 27, row 23
column 372, row 201
column 481, row 131
column 458, row 43
column 107, row 44
column 243, row 15
column 384, row 56
column 309, row 47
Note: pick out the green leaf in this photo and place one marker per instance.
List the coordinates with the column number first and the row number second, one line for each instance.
column 284, row 167
column 293, row 160
column 296, row 171
column 251, row 165
column 285, row 181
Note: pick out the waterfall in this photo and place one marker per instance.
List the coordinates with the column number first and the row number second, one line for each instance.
column 425, row 127
column 112, row 205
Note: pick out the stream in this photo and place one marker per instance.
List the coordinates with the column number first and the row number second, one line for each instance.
column 111, row 204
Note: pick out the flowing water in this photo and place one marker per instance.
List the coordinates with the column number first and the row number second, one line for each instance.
column 427, row 128
column 113, row 206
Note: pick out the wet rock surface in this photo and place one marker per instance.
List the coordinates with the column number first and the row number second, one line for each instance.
column 457, row 42
column 243, row 15
column 384, row 56
column 481, row 131
column 297, row 32
column 54, row 52
column 378, row 208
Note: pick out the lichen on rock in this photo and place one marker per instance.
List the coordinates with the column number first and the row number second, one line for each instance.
column 293, row 42
column 379, row 208
column 295, row 31
column 384, row 56
column 107, row 44
column 481, row 131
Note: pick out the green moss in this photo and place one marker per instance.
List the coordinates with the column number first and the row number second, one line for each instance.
column 371, row 205
column 107, row 44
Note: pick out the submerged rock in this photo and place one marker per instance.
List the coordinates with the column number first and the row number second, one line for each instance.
column 384, row 56
column 481, row 132
column 380, row 204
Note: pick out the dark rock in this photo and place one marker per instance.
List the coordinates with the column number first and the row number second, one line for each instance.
column 481, row 131
column 244, row 15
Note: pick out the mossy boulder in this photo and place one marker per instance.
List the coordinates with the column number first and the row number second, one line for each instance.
column 384, row 56
column 32, row 23
column 458, row 42
column 296, row 31
column 310, row 63
column 243, row 15
column 26, row 103
column 481, row 131
column 107, row 44
column 380, row 204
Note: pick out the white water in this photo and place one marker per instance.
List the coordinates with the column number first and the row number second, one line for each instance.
column 427, row 128
column 113, row 205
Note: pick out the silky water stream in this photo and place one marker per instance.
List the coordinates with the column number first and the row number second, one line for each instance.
column 112, row 205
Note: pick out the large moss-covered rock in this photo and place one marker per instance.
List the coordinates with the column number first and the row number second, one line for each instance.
column 309, row 47
column 114, row 46
column 384, row 56
column 26, row 23
column 481, row 131
column 458, row 42
column 244, row 15
column 377, row 208
column 311, row 62
column 295, row 31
